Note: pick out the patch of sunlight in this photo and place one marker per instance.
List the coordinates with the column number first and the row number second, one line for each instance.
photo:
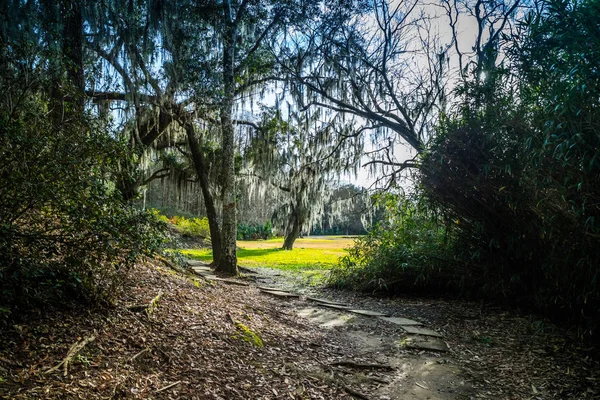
column 308, row 253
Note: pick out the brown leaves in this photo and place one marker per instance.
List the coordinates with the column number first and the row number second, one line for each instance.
column 186, row 348
column 189, row 342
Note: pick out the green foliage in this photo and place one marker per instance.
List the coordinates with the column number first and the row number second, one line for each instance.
column 156, row 213
column 196, row 227
column 254, row 231
column 518, row 174
column 406, row 251
column 190, row 227
column 64, row 231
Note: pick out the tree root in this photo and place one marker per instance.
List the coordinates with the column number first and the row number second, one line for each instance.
column 352, row 364
column 341, row 382
column 355, row 393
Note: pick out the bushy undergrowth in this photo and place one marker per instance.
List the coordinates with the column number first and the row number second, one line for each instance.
column 515, row 173
column 192, row 227
column 199, row 228
column 406, row 251
column 254, row 231
column 64, row 232
column 521, row 172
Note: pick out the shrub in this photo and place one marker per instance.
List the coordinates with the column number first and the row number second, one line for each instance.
column 64, row 232
column 521, row 174
column 196, row 227
column 254, row 231
column 189, row 227
column 156, row 213
column 406, row 251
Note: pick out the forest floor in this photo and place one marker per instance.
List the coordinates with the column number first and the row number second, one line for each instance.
column 214, row 340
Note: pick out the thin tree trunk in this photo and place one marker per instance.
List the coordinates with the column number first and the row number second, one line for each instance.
column 228, row 260
column 72, row 48
column 290, row 238
column 64, row 33
column 127, row 183
column 211, row 211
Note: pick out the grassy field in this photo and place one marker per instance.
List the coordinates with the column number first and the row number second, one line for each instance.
column 311, row 253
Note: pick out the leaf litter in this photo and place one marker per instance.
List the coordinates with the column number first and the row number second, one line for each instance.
column 195, row 345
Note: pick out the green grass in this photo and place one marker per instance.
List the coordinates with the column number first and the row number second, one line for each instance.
column 308, row 254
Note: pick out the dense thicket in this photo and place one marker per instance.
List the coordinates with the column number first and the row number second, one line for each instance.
column 64, row 231
column 513, row 176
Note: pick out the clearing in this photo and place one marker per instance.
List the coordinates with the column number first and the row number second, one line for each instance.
column 309, row 253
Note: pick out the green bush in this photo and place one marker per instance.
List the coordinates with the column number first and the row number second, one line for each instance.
column 254, row 231
column 160, row 217
column 190, row 227
column 196, row 227
column 521, row 173
column 64, row 232
column 406, row 251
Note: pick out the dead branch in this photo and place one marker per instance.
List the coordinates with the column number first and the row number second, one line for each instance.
column 139, row 354
column 153, row 304
column 421, row 386
column 73, row 351
column 233, row 321
column 168, row 386
column 168, row 263
column 149, row 308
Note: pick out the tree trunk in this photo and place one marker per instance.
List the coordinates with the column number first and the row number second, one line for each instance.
column 127, row 183
column 290, row 238
column 228, row 261
column 64, row 34
column 72, row 48
column 211, row 211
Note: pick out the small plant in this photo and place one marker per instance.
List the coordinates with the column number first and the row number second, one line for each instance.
column 485, row 340
column 247, row 335
column 255, row 231
column 83, row 360
column 156, row 213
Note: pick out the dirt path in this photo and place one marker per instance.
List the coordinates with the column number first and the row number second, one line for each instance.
column 377, row 352
column 491, row 353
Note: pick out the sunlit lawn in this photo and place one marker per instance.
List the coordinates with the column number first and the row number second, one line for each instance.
column 309, row 253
